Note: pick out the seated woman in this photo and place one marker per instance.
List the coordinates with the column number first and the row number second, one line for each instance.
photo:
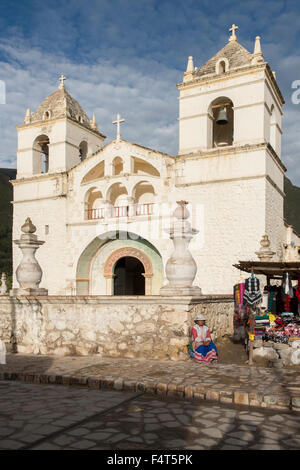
column 201, row 348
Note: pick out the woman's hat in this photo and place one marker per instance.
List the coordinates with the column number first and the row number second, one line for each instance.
column 199, row 317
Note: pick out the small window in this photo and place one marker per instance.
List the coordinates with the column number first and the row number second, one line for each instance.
column 83, row 149
column 222, row 66
column 47, row 115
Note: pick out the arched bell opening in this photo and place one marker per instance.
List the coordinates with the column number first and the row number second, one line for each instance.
column 221, row 111
column 41, row 154
column 83, row 150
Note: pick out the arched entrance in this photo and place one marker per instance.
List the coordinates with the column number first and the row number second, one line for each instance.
column 128, row 277
column 95, row 270
column 124, row 270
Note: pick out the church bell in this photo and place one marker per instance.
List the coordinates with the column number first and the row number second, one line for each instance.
column 222, row 117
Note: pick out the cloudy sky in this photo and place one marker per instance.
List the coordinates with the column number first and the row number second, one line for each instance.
column 126, row 56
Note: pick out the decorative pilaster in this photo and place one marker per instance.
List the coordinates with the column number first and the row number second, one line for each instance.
column 29, row 273
column 181, row 267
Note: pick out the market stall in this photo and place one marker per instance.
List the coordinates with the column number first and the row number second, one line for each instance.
column 268, row 315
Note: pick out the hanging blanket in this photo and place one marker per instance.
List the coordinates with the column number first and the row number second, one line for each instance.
column 252, row 294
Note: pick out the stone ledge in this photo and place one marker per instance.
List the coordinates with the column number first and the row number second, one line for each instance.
column 106, row 299
column 191, row 392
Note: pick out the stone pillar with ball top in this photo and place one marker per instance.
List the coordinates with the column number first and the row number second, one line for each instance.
column 29, row 273
column 181, row 267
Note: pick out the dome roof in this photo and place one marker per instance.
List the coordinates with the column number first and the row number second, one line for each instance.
column 236, row 54
column 62, row 104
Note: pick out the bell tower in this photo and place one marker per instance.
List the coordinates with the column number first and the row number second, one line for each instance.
column 229, row 159
column 231, row 100
column 57, row 136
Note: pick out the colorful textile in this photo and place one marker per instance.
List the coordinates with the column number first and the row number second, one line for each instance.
column 286, row 286
column 204, row 354
column 252, row 294
column 297, row 293
column 272, row 318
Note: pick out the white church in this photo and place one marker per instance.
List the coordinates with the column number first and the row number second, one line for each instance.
column 104, row 209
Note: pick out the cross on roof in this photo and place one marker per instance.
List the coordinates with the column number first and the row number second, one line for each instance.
column 62, row 79
column 233, row 35
column 118, row 122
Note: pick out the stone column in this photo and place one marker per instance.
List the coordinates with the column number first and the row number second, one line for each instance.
column 3, row 287
column 181, row 267
column 29, row 273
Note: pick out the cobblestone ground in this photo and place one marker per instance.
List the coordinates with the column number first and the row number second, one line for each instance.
column 37, row 416
column 224, row 383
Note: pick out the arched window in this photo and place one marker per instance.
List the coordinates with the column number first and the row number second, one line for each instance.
column 83, row 149
column 47, row 115
column 222, row 65
column 94, row 208
column 41, row 154
column 116, row 193
column 221, row 112
column 144, row 196
column 117, row 166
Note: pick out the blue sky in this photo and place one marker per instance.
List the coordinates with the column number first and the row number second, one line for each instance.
column 126, row 56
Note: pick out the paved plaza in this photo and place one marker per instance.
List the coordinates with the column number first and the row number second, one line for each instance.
column 45, row 417
column 263, row 387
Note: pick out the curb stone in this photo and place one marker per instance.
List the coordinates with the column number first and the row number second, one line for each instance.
column 191, row 392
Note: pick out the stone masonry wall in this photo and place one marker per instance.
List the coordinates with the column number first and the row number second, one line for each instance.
column 152, row 326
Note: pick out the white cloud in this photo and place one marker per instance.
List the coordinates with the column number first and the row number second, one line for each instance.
column 146, row 99
column 141, row 89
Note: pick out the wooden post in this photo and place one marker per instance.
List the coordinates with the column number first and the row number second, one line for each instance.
column 251, row 336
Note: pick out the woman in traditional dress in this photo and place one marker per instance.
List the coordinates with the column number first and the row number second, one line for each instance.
column 201, row 348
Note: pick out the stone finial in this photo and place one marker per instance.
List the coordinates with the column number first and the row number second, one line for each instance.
column 28, row 227
column 190, row 65
column 62, row 79
column 27, row 119
column 265, row 253
column 188, row 74
column 3, row 287
column 257, row 54
column 233, row 30
column 29, row 273
column 94, row 123
column 181, row 267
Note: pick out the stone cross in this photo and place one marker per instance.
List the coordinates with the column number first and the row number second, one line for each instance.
column 118, row 122
column 233, row 35
column 62, row 79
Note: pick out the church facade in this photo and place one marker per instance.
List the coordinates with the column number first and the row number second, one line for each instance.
column 104, row 210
